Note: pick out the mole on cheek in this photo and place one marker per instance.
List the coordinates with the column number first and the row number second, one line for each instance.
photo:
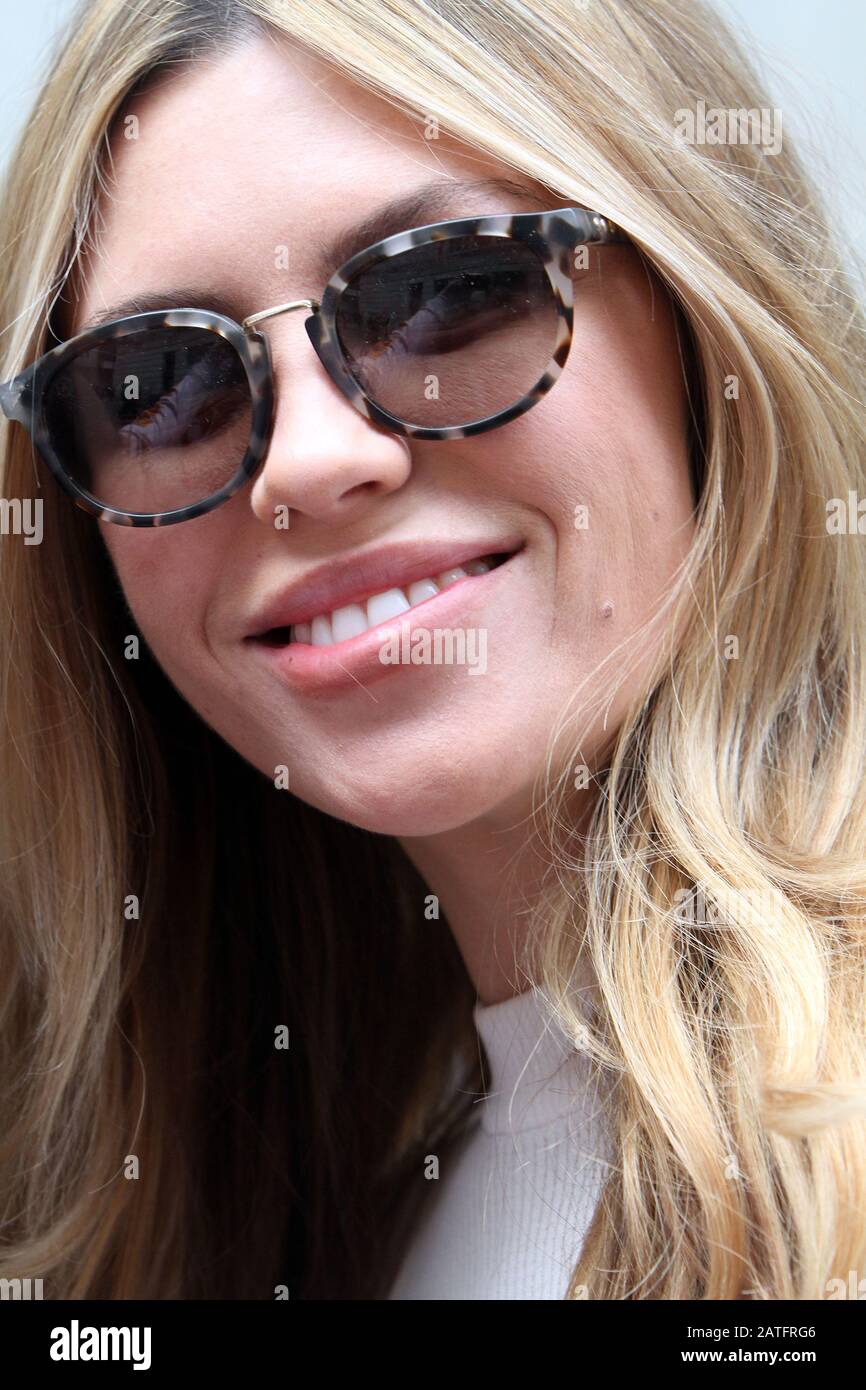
column 607, row 608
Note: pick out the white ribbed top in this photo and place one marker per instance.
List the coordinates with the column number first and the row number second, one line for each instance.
column 516, row 1198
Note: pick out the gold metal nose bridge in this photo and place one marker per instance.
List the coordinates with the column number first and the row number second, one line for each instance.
column 311, row 304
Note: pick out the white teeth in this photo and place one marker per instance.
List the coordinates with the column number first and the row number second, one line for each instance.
column 350, row 621
column 449, row 577
column 321, row 634
column 356, row 618
column 391, row 604
column 421, row 590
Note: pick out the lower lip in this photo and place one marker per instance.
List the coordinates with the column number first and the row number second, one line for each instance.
column 356, row 662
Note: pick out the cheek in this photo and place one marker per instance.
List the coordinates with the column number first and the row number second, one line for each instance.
column 603, row 462
column 166, row 577
column 611, row 435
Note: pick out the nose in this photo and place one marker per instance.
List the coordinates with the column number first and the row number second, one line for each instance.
column 325, row 460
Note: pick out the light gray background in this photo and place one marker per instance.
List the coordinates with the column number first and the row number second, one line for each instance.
column 812, row 52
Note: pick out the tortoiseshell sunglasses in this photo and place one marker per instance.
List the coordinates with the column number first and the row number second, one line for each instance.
column 440, row 332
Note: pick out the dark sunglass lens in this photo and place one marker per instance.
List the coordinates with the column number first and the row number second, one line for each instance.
column 450, row 332
column 151, row 421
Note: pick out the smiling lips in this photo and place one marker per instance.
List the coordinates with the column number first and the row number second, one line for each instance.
column 324, row 635
column 340, row 602
column 356, row 618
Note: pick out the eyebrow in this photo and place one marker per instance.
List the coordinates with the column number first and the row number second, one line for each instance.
column 437, row 201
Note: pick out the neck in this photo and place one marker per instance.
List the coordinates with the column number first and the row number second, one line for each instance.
column 487, row 877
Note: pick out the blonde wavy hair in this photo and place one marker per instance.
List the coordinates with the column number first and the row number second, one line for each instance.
column 732, row 1050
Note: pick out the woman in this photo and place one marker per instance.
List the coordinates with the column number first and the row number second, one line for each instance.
column 286, row 905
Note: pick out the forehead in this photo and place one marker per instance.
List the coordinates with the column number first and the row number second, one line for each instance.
column 245, row 165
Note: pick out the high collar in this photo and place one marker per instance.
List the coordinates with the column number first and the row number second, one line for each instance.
column 537, row 1074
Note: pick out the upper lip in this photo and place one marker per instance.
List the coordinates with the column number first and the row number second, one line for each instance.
column 348, row 579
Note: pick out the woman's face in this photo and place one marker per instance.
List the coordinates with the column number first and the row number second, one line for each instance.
column 244, row 172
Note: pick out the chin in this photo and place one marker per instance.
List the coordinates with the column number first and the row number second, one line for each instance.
column 412, row 807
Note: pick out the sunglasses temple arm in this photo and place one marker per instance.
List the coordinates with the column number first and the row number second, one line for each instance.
column 11, row 400
column 7, row 400
column 591, row 228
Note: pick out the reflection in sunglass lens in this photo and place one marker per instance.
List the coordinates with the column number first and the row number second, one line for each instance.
column 151, row 421
column 449, row 332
